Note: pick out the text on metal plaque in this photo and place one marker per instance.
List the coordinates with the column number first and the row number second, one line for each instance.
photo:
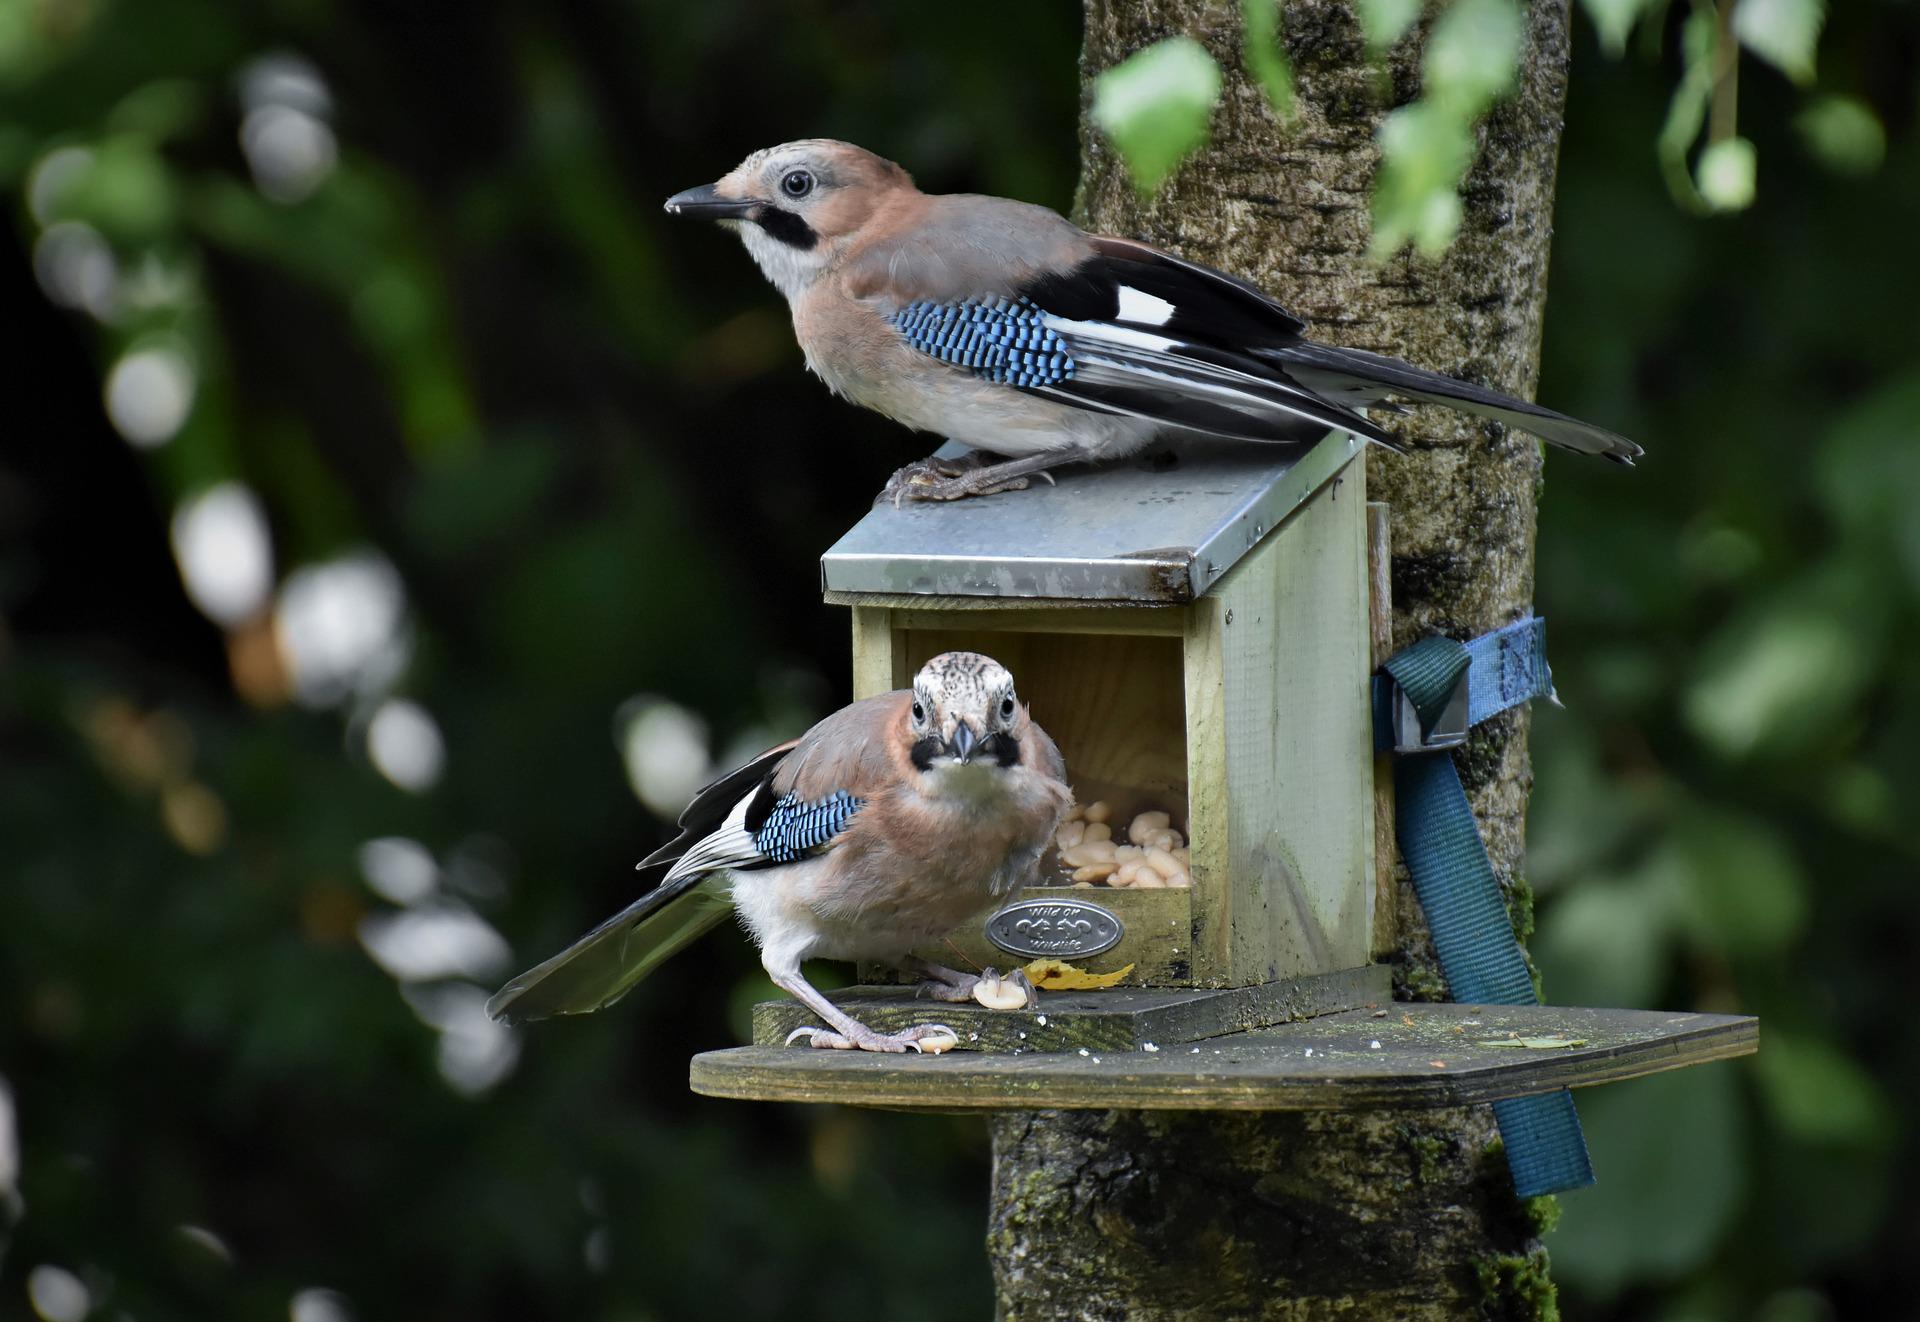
column 1054, row 927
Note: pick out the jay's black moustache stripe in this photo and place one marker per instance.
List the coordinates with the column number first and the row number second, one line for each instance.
column 924, row 751
column 786, row 227
column 1003, row 748
column 1006, row 749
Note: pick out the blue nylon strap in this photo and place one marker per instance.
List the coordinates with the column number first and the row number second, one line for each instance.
column 1507, row 667
column 1472, row 933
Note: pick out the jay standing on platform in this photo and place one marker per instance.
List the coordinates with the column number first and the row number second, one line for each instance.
column 1000, row 325
column 882, row 828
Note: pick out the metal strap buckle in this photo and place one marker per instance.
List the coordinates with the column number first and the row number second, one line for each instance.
column 1449, row 728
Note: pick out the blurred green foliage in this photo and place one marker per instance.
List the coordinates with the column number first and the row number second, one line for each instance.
column 1156, row 104
column 400, row 272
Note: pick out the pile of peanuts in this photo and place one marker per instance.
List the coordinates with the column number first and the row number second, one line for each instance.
column 1154, row 856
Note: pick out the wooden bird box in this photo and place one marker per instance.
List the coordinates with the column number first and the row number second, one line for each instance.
column 1197, row 629
column 1191, row 627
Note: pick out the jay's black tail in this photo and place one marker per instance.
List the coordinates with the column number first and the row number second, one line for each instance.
column 1323, row 367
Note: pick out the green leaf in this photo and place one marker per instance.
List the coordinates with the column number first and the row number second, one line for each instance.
column 1474, row 53
column 1819, row 1093
column 1726, row 174
column 1155, row 105
column 1687, row 111
column 1744, row 892
column 1867, row 464
column 1425, row 149
column 1780, row 675
column 123, row 189
column 1606, row 941
column 1386, row 21
column 1843, row 134
column 1614, row 20
column 1260, row 52
column 1672, row 1149
column 1781, row 32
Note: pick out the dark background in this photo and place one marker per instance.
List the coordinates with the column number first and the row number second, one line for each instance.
column 583, row 440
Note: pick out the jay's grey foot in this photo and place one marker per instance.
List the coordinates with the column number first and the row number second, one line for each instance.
column 945, row 479
column 931, row 1039
column 1013, row 991
column 940, row 479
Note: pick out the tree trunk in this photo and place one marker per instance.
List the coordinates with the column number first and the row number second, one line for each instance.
column 1384, row 1214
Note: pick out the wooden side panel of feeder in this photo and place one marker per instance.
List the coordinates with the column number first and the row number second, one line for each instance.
column 1386, row 895
column 1280, row 733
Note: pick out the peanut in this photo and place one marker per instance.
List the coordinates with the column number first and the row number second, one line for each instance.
column 1147, row 825
column 1000, row 994
column 1080, row 856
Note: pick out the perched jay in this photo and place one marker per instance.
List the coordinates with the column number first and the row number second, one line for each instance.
column 999, row 324
column 883, row 827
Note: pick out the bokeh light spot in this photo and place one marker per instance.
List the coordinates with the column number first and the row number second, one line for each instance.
column 444, row 939
column 315, row 1305
column 225, row 552
column 57, row 1295
column 404, row 744
column 53, row 177
column 76, row 268
column 664, row 747
column 475, row 1052
column 149, row 394
column 399, row 869
column 340, row 628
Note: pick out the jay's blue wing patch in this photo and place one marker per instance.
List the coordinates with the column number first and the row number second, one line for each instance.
column 1002, row 339
column 797, row 827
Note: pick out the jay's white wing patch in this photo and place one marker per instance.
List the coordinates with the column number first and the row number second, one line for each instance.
column 764, row 829
column 1142, row 308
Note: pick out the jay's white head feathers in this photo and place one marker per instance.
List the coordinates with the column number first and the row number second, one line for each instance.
column 1001, row 325
column 964, row 712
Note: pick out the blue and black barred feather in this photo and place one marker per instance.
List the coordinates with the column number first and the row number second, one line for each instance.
column 1004, row 340
column 796, row 826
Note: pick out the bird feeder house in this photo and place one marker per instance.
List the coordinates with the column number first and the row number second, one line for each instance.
column 1197, row 629
column 1161, row 620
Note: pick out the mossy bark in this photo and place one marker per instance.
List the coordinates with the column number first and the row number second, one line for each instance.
column 1404, row 1215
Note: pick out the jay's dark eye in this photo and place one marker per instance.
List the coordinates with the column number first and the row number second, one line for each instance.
column 919, row 712
column 798, row 183
column 1006, row 707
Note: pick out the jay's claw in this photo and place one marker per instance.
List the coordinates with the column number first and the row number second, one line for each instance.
column 945, row 479
column 1013, row 991
column 927, row 480
column 930, row 1039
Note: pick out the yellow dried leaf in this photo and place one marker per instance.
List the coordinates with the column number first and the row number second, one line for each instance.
column 1058, row 975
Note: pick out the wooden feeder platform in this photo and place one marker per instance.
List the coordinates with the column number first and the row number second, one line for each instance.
column 1392, row 1054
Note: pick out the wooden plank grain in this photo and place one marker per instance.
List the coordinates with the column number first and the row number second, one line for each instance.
column 1114, row 1020
column 1427, row 1056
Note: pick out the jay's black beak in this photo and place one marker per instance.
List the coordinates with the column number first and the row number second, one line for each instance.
column 703, row 203
column 963, row 741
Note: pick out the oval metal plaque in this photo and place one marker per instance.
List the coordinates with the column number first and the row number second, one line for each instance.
column 1060, row 928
